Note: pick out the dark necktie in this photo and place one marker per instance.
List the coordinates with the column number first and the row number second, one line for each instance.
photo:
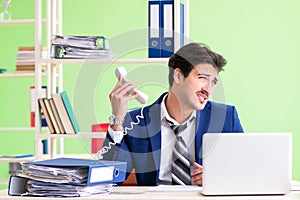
column 180, row 162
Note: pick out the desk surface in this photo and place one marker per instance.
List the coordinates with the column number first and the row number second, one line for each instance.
column 130, row 192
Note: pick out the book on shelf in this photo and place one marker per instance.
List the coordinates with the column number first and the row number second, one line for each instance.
column 27, row 61
column 59, row 114
column 51, row 115
column 28, row 67
column 30, row 48
column 56, row 116
column 25, row 67
column 33, row 105
column 69, row 109
column 2, row 70
column 66, row 177
column 17, row 156
column 63, row 114
column 46, row 114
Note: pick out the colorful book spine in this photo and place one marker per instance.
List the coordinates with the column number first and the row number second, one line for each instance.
column 70, row 111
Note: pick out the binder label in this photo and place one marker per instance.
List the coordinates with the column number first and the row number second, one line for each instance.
column 154, row 21
column 168, row 20
column 102, row 174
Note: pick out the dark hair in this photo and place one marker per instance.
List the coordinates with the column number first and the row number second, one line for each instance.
column 191, row 55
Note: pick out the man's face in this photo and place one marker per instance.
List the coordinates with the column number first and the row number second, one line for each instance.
column 196, row 89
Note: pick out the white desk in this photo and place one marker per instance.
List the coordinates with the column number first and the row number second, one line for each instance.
column 141, row 193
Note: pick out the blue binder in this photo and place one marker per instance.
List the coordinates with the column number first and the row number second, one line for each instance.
column 154, row 24
column 161, row 17
column 98, row 171
column 167, row 28
column 182, row 24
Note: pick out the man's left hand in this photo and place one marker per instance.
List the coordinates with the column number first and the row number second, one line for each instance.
column 197, row 174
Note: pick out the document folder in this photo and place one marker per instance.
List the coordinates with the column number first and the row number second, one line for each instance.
column 161, row 28
column 90, row 171
column 21, row 186
column 167, row 29
column 154, row 24
column 17, row 185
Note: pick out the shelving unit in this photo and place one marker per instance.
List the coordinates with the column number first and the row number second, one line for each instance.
column 4, row 130
column 79, row 135
column 15, row 75
column 54, row 72
column 18, row 22
column 55, row 68
column 20, row 128
column 105, row 61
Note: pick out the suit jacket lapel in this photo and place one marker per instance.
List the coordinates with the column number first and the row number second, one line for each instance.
column 154, row 131
column 202, row 125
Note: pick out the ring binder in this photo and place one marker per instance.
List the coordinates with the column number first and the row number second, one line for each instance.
column 161, row 22
column 154, row 24
column 167, row 29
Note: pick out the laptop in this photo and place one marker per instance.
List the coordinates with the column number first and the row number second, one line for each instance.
column 247, row 163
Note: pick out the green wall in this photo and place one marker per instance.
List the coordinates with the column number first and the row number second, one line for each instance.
column 258, row 38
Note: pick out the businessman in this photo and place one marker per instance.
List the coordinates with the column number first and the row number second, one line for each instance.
column 162, row 142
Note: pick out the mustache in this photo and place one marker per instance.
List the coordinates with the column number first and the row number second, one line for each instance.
column 204, row 92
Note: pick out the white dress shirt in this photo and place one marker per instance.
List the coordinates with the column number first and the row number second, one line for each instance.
column 168, row 141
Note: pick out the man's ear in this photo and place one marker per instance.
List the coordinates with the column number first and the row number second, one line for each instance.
column 177, row 75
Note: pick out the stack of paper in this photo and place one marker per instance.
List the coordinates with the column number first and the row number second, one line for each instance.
column 80, row 47
column 67, row 177
column 38, row 188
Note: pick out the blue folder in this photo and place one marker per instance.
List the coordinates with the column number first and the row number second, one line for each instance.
column 154, row 33
column 161, row 28
column 98, row 171
column 167, row 28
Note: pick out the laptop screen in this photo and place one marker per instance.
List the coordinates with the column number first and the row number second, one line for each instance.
column 251, row 163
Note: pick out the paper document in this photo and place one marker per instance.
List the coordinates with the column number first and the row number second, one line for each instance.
column 37, row 188
column 88, row 42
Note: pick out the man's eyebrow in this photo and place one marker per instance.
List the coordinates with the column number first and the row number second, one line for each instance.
column 203, row 74
column 207, row 75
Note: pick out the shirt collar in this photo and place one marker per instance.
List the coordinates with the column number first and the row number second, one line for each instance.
column 165, row 115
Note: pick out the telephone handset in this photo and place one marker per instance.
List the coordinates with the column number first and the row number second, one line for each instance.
column 142, row 97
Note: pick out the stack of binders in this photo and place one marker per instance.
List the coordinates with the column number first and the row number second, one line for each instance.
column 66, row 177
column 59, row 115
column 80, row 47
column 161, row 28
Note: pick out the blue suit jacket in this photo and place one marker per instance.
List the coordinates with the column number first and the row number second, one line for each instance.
column 140, row 148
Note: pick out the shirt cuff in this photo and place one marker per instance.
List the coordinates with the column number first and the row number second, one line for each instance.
column 117, row 136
